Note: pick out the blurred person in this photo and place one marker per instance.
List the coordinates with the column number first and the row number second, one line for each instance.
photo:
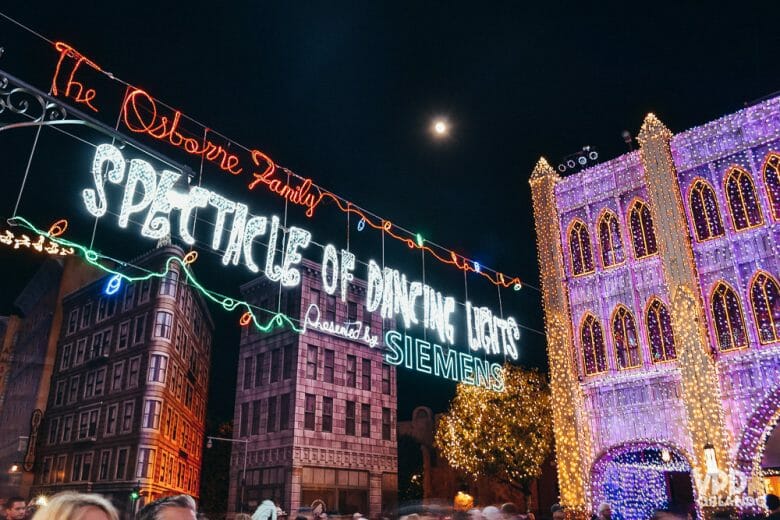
column 558, row 512
column 265, row 511
column 176, row 507
column 510, row 511
column 243, row 516
column 773, row 505
column 604, row 511
column 491, row 513
column 15, row 508
column 77, row 506
column 475, row 514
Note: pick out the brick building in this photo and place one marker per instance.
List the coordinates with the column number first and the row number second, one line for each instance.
column 26, row 358
column 317, row 411
column 128, row 390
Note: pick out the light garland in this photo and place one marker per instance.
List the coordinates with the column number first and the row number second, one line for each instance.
column 9, row 238
column 96, row 259
column 572, row 437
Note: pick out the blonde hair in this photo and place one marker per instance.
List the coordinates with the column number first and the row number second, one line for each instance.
column 68, row 506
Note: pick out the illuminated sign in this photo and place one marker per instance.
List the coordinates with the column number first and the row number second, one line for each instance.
column 151, row 199
column 351, row 330
column 142, row 114
column 431, row 358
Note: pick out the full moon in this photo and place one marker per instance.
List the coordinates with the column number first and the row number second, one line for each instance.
column 440, row 128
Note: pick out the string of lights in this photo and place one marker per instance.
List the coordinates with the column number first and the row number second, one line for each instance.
column 138, row 104
column 97, row 260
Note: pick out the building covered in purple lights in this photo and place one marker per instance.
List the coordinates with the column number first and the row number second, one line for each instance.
column 659, row 273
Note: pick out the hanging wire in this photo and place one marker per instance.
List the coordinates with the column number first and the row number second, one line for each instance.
column 465, row 267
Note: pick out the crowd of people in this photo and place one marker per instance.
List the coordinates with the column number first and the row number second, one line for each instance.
column 88, row 506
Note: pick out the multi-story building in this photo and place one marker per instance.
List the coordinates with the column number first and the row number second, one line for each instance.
column 659, row 274
column 317, row 411
column 26, row 358
column 128, row 390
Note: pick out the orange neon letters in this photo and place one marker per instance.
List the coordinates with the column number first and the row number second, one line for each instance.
column 139, row 114
column 73, row 88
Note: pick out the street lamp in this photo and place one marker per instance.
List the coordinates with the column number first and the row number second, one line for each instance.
column 209, row 445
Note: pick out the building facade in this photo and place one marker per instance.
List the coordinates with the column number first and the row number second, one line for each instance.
column 26, row 359
column 128, row 391
column 659, row 273
column 315, row 413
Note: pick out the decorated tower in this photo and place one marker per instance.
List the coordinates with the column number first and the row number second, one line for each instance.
column 569, row 428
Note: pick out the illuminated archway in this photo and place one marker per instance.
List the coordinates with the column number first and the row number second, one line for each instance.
column 657, row 469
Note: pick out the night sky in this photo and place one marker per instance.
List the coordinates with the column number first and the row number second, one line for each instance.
column 345, row 93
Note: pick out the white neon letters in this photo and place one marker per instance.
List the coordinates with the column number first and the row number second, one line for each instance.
column 144, row 193
column 150, row 197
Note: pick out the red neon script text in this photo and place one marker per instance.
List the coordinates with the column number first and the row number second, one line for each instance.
column 73, row 88
column 139, row 113
column 297, row 195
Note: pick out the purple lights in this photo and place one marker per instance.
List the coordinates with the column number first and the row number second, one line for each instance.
column 689, row 313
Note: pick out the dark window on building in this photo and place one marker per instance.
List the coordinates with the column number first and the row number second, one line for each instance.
column 276, row 365
column 365, row 420
column 244, row 431
column 311, row 362
column 272, row 413
column 139, row 328
column 121, row 463
column 86, row 316
column 168, row 284
column 349, row 423
column 256, row 417
column 163, row 324
column 352, row 311
column 287, row 363
column 330, row 308
column 309, row 411
column 327, row 414
column 328, row 364
column 386, row 424
column 366, row 375
column 247, row 373
column 284, row 412
column 351, row 371
column 259, row 362
column 386, row 379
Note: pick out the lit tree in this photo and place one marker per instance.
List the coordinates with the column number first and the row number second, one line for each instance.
column 503, row 435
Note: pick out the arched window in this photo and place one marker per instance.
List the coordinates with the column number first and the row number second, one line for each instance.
column 610, row 243
column 593, row 352
column 704, row 211
column 743, row 200
column 726, row 311
column 772, row 181
column 642, row 231
column 625, row 338
column 765, row 300
column 659, row 331
column 579, row 247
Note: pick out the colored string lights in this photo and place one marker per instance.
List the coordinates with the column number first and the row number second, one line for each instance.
column 9, row 238
column 96, row 259
column 141, row 113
